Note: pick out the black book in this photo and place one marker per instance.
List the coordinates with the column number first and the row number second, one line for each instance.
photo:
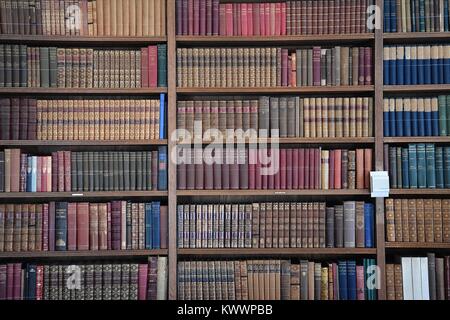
column 101, row 160
column 96, row 171
column 149, row 170
column 126, row 171
column 120, row 171
column 2, row 65
column 53, row 68
column 91, row 170
column 110, row 170
column 8, row 66
column 2, row 171
column 116, row 171
column 23, row 72
column 132, row 171
column 61, row 226
column 139, row 171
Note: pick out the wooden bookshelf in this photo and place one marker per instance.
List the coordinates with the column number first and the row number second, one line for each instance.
column 79, row 40
column 237, row 193
column 410, row 37
column 101, row 195
column 94, row 254
column 277, row 90
column 424, row 88
column 43, row 143
column 417, row 245
column 417, row 139
column 276, row 252
column 419, row 192
column 338, row 141
column 83, row 91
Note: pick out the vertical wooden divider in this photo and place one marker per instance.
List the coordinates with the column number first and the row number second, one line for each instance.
column 171, row 126
column 378, row 110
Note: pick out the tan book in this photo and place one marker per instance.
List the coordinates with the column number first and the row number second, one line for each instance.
column 398, row 220
column 412, row 220
column 353, row 118
column 390, row 281
column 437, row 220
column 152, row 16
column 139, row 17
column 405, row 220
column 125, row 10
column 429, row 219
column 132, row 17
column 158, row 17
column 445, row 220
column 345, row 65
column 398, row 284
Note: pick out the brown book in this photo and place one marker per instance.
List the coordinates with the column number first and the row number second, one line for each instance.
column 420, row 220
column 405, row 220
column 390, row 221
column 445, row 220
column 359, row 223
column 437, row 220
column 398, row 282
column 295, row 281
column 360, row 169
column 412, row 220
column 269, row 225
column 429, row 217
column 390, row 281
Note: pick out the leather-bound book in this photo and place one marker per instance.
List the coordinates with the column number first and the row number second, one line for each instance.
column 390, row 225
column 437, row 220
column 359, row 224
column 72, row 226
column 405, row 220
column 429, row 229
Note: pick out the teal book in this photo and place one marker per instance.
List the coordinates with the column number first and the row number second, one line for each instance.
column 448, row 115
column 162, row 65
column 162, row 116
column 405, row 168
column 421, row 166
column 442, row 108
column 412, row 155
column 431, row 165
column 447, row 167
column 439, row 167
column 393, row 167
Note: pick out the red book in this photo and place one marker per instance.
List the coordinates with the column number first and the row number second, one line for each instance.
column 102, row 226
column 81, row 225
column 289, row 168
column 284, row 67
column 317, row 163
column 258, row 177
column 191, row 17
column 271, row 178
column 256, row 19
column 39, row 282
column 244, row 19
column 303, row 165
column 331, row 170
column 316, row 66
column 250, row 19
column 144, row 66
column 337, row 169
column 202, row 27
column 51, row 226
column 17, row 282
column 38, row 174
column 60, row 172
column 264, row 177
column 229, row 19
column 45, row 217
column 109, row 222
column 152, row 66
column 283, row 18
column 282, row 170
column 67, row 171
column 209, row 176
column 32, row 119
column 72, row 226
column 163, row 226
column 217, row 170
column 361, row 74
column 181, row 176
column 196, row 17
column 93, row 226
column 238, row 19
column 209, row 17
column 360, row 284
column 234, row 171
column 222, row 20
column 9, row 281
column 252, row 158
column 308, row 168
column 277, row 28
column 55, row 180
column 367, row 167
column 295, row 171
column 360, row 172
column 262, row 19
column 267, row 18
column 367, row 66
column 142, row 282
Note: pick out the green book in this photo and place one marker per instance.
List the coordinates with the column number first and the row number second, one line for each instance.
column 421, row 166
column 431, row 165
column 412, row 154
column 53, row 67
column 45, row 67
column 439, row 168
column 162, row 65
column 442, row 108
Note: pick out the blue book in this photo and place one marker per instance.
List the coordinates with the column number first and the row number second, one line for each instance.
column 431, row 166
column 413, row 16
column 386, row 120
column 368, row 225
column 61, row 226
column 162, row 116
column 442, row 110
column 439, row 167
column 342, row 276
column 162, row 168
column 156, row 222
column 351, row 279
column 421, row 117
column 407, row 117
column 387, row 16
column 434, row 117
column 434, row 61
column 427, row 116
column 422, row 16
column 399, row 117
column 447, row 167
column 393, row 16
column 34, row 174
column 30, row 293
column 414, row 71
column 446, row 17
column 148, row 226
column 386, row 65
column 447, row 64
column 412, row 161
column 420, row 66
column 392, row 118
column 29, row 173
column 407, row 71
column 427, row 65
column 421, row 166
column 393, row 66
column 414, row 121
column 400, row 64
column 441, row 65
column 405, row 168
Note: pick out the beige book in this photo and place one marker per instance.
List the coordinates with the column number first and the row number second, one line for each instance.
column 152, row 16
column 157, row 18
column 138, row 18
column 145, row 17
column 325, row 118
column 163, row 6
column 132, row 17
column 318, row 117
column 113, row 17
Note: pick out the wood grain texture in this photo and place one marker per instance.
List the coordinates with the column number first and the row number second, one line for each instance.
column 104, row 254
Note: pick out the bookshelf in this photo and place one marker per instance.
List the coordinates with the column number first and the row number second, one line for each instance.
column 173, row 196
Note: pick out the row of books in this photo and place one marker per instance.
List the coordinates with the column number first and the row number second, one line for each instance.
column 418, row 220
column 416, row 15
column 61, row 226
column 270, row 67
column 51, row 67
column 277, row 116
column 95, row 281
column 419, row 278
column 82, row 119
column 411, row 65
column 83, row 171
column 312, row 168
column 276, row 225
column 276, row 280
column 416, row 116
column 84, row 17
column 209, row 17
column 418, row 166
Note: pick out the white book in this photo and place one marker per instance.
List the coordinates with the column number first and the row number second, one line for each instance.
column 161, row 282
column 424, row 275
column 407, row 279
column 416, row 278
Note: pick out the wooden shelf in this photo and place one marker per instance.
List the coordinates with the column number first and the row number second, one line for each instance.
column 417, row 88
column 411, row 37
column 83, row 195
column 419, row 192
column 278, row 90
column 83, row 91
column 298, row 39
column 417, row 139
column 365, row 140
column 417, row 245
column 43, row 143
column 113, row 254
column 257, row 252
column 79, row 40
column 244, row 193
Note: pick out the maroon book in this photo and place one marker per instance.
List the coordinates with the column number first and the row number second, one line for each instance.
column 109, row 223
column 15, row 119
column 258, row 177
column 190, row 175
column 152, row 67
column 317, row 164
column 361, row 74
column 252, row 158
column 51, row 226
column 202, row 20
column 315, row 15
column 243, row 171
column 295, row 165
column 234, row 172
column 32, row 115
column 190, row 17
column 282, row 170
column 17, row 282
column 116, row 209
column 72, row 226
column 250, row 19
column 23, row 119
column 199, row 175
column 262, row 19
column 256, row 19
column 144, row 66
column 215, row 17
column 301, row 168
column 9, row 281
column 60, row 171
column 209, row 15
column 225, row 173
column 367, row 66
column 196, row 17
column 316, row 66
column 222, row 20
column 82, row 226
column 284, row 67
column 55, row 171
column 307, row 168
column 185, row 18
column 331, row 170
column 181, row 176
column 271, row 178
column 142, row 281
column 45, row 217
column 179, row 8
column 217, row 171
column 289, row 168
column 67, row 171
column 163, row 226
column 23, row 172
column 209, row 176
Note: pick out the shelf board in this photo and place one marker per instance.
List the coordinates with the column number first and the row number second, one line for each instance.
column 83, row 91
column 417, row 245
column 43, row 39
column 419, row 192
column 417, row 88
column 280, row 90
column 43, row 143
column 276, row 251
column 365, row 140
column 243, row 193
column 411, row 37
column 82, row 195
column 297, row 39
column 113, row 254
column 417, row 139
